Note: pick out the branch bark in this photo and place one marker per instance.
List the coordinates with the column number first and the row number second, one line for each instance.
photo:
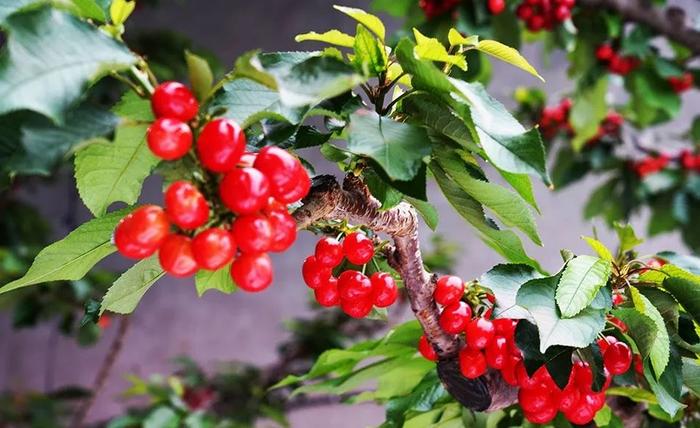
column 353, row 202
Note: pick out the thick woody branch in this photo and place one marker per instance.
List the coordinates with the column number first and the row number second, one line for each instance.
column 670, row 22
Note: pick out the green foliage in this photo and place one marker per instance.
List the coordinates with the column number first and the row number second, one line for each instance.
column 219, row 280
column 580, row 282
column 126, row 292
column 504, row 281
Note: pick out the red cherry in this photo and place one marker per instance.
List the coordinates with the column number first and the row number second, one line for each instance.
column 327, row 294
column 617, row 358
column 638, row 364
column 472, row 363
column 542, row 416
column 252, row 271
column 455, row 317
column 595, row 400
column 176, row 256
column 504, row 327
column 605, row 342
column 169, row 139
column 384, row 290
column 480, row 332
column 244, row 190
column 524, row 380
column 582, row 375
column 534, row 399
column 448, row 290
column 175, row 101
column 359, row 249
column 220, row 145
column 280, row 167
column 604, row 52
column 524, row 12
column 185, row 205
column 509, row 370
column 426, row 349
column 535, row 23
column 569, row 398
column 581, row 414
column 496, row 7
column 315, row 275
column 329, row 252
column 354, row 285
column 298, row 191
column 284, row 230
column 497, row 353
column 618, row 299
column 358, row 308
column 274, row 205
column 213, row 248
column 562, row 13
column 253, row 233
column 140, row 233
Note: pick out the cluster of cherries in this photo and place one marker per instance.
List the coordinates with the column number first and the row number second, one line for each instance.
column 544, row 14
column 435, row 8
column 651, row 164
column 681, row 83
column 556, row 119
column 194, row 233
column 616, row 63
column 352, row 290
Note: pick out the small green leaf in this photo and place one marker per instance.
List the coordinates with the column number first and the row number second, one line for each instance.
column 504, row 280
column 583, row 276
column 457, row 39
column 370, row 21
column 134, row 108
column 120, row 10
column 369, row 53
column 628, row 239
column 334, row 37
column 162, row 417
column 600, row 248
column 431, row 49
column 201, row 76
column 219, row 280
column 426, row 210
column 691, row 375
column 636, row 394
column 507, row 54
column 128, row 290
column 660, row 351
column 588, row 111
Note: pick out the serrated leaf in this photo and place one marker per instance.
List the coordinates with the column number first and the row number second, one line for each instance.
column 73, row 256
column 424, row 74
column 504, row 280
column 691, row 375
column 134, row 108
column 660, row 351
column 600, row 248
column 201, row 76
column 426, row 210
column 684, row 286
column 126, row 292
column 109, row 172
column 370, row 55
column 580, row 281
column 220, row 280
column 628, row 239
column 432, row 50
column 522, row 184
column 668, row 386
column 457, row 39
column 507, row 54
column 334, row 37
column 370, row 21
column 50, row 57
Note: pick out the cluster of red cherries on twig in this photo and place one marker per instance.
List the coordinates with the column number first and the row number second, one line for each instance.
column 541, row 15
column 233, row 211
column 555, row 119
column 351, row 289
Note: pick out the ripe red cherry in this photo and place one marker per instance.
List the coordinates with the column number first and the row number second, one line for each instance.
column 176, row 257
column 472, row 363
column 596, row 400
column 280, row 167
column 220, row 145
column 638, row 364
column 504, row 327
column 358, row 308
column 426, row 349
column 175, row 101
column 213, row 248
column 496, row 6
column 543, row 416
column 604, row 343
column 253, row 233
column 448, row 290
column 455, row 317
column 185, row 205
column 581, row 414
column 298, row 191
column 604, row 52
column 329, row 251
column 140, row 233
column 534, row 399
column 562, row 13
column 582, row 375
column 497, row 352
column 327, row 295
column 252, row 272
column 569, row 398
column 284, row 230
column 384, row 290
column 315, row 275
column 244, row 190
column 509, row 370
column 359, row 249
column 354, row 285
column 617, row 358
column 169, row 139
column 480, row 332
column 618, row 299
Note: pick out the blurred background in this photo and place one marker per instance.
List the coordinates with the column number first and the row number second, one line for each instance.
column 172, row 320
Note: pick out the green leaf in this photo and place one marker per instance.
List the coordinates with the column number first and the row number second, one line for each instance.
column 537, row 296
column 660, row 351
column 432, row 50
column 426, row 210
column 628, row 239
column 507, row 54
column 424, row 74
column 120, row 10
column 523, row 185
column 162, row 417
column 685, row 288
column 588, row 111
column 370, row 21
column 49, row 59
column 73, row 256
column 636, row 394
column 8, row 7
column 650, row 94
column 457, row 39
column 691, row 375
column 557, row 358
column 668, row 386
column 219, row 280
column 600, row 248
column 89, row 9
column 134, row 108
column 126, row 292
column 398, row 147
column 504, row 280
column 580, row 281
column 200, row 74
column 369, row 53
column 109, row 172
column 334, row 37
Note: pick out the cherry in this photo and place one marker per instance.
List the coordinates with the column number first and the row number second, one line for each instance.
column 596, row 400
column 358, row 308
column 617, row 358
column 535, row 398
column 542, row 416
column 280, row 167
column 384, row 290
column 176, row 256
column 327, row 294
column 524, row 380
column 298, row 191
column 220, row 145
column 480, row 332
column 524, row 12
column 581, row 414
column 315, row 275
column 638, row 364
column 359, row 249
column 140, row 233
column 244, row 190
column 496, row 7
column 169, row 139
column 605, row 342
column 252, row 271
column 569, row 398
column 354, row 285
column 329, row 252
column 455, row 317
column 274, row 205
column 104, row 321
column 175, row 101
column 253, row 233
column 618, row 299
column 681, row 83
column 426, row 349
column 509, row 370
column 582, row 375
column 213, row 248
column 284, row 230
column 185, row 205
column 472, row 363
column 497, row 352
column 504, row 327
column 448, row 290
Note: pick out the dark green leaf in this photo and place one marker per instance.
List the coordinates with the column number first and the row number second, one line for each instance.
column 557, row 358
column 504, row 281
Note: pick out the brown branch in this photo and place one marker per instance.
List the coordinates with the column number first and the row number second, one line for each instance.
column 669, row 22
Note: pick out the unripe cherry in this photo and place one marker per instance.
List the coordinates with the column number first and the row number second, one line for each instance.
column 220, row 145
column 480, row 332
column 244, row 190
column 280, row 167
column 359, row 249
column 327, row 295
column 176, row 256
column 426, row 349
column 472, row 363
column 140, row 233
column 448, row 290
column 329, row 251
column 253, row 233
column 358, row 308
column 185, row 205
column 284, row 230
column 384, row 290
column 175, row 101
column 213, row 248
column 252, row 272
column 315, row 275
column 354, row 285
column 455, row 317
column 169, row 139
column 617, row 358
